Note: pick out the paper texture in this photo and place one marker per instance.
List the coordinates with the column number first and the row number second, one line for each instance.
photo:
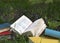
column 37, row 27
column 41, row 29
column 21, row 24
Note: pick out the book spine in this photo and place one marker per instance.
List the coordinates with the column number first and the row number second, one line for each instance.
column 52, row 33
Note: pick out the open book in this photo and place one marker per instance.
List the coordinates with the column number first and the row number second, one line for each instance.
column 24, row 24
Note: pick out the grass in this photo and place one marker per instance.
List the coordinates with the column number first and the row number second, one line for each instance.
column 21, row 39
column 6, row 8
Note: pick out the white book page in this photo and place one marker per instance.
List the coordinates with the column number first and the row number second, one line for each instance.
column 40, row 30
column 21, row 24
column 37, row 27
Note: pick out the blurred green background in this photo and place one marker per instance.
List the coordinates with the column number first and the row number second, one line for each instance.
column 11, row 10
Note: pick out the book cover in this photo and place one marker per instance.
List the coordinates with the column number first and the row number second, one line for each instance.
column 52, row 33
column 4, row 25
column 34, row 39
column 5, row 29
column 42, row 40
column 47, row 40
column 5, row 33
